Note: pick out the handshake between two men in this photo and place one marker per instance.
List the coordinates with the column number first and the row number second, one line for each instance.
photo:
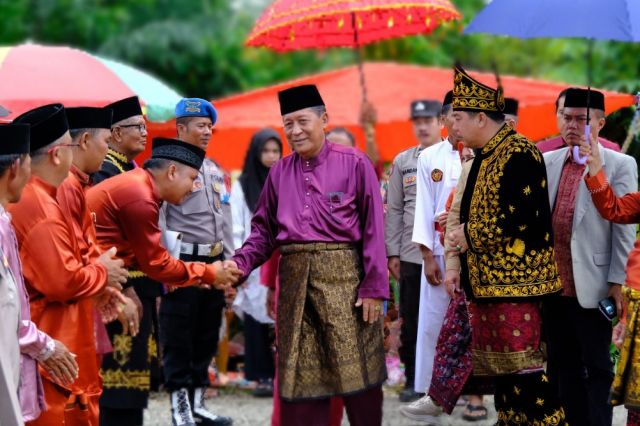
column 227, row 275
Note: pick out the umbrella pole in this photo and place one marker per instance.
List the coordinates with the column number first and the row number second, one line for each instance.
column 367, row 111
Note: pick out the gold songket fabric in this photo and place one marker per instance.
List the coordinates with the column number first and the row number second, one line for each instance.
column 626, row 383
column 324, row 346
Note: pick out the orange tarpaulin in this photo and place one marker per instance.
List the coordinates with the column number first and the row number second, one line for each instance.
column 391, row 88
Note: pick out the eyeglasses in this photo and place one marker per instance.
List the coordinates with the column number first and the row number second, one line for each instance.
column 141, row 127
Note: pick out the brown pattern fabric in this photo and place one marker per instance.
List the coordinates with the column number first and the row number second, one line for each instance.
column 324, row 346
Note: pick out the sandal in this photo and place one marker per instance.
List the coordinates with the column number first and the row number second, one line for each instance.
column 473, row 413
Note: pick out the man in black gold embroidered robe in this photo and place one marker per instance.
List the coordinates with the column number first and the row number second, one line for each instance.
column 507, row 257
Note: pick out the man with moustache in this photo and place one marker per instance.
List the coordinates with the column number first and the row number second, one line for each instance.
column 190, row 317
column 591, row 253
column 404, row 257
column 128, row 138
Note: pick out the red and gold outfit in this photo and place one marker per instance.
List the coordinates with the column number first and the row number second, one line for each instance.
column 61, row 283
column 127, row 211
column 625, row 209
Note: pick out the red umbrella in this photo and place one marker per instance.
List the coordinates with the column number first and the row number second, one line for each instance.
column 315, row 24
column 304, row 24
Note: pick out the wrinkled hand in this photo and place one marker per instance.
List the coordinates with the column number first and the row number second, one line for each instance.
column 457, row 239
column 129, row 318
column 592, row 151
column 615, row 291
column 442, row 220
column 271, row 303
column 108, row 303
column 116, row 274
column 452, row 282
column 432, row 270
column 393, row 263
column 61, row 365
column 368, row 114
column 618, row 335
column 371, row 309
column 227, row 274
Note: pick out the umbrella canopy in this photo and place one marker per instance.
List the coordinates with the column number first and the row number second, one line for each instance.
column 33, row 75
column 305, row 24
column 396, row 86
column 596, row 19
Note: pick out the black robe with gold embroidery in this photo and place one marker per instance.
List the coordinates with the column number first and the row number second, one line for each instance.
column 506, row 210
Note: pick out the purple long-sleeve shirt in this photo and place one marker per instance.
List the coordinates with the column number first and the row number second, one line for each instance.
column 333, row 197
column 33, row 342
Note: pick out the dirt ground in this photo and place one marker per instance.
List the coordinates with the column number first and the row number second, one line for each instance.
column 249, row 411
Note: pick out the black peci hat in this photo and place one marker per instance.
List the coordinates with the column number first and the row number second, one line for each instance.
column 176, row 150
column 48, row 123
column 299, row 97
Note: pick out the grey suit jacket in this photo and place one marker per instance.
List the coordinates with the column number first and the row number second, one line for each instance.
column 599, row 248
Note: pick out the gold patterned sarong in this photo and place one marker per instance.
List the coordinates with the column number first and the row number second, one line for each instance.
column 626, row 383
column 324, row 346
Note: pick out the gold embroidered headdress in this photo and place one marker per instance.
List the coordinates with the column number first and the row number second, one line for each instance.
column 471, row 95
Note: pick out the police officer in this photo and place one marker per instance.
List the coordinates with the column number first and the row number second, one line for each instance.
column 404, row 258
column 190, row 317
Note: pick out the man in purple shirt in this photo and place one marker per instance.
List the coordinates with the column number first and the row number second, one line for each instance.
column 322, row 207
column 35, row 345
column 559, row 141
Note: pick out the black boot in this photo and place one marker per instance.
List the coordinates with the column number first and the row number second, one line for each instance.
column 204, row 417
column 181, row 409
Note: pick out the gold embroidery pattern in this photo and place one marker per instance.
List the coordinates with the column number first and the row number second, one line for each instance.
column 117, row 159
column 511, row 269
column 315, row 316
column 487, row 363
column 626, row 383
column 129, row 379
column 122, row 345
column 473, row 95
column 152, row 348
column 511, row 417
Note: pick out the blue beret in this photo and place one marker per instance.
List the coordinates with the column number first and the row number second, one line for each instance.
column 196, row 107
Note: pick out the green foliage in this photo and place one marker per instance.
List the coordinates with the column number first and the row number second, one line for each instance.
column 198, row 45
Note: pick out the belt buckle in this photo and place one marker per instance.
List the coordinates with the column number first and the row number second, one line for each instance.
column 216, row 249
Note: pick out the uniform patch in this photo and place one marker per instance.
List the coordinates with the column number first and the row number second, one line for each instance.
column 409, row 180
column 436, row 175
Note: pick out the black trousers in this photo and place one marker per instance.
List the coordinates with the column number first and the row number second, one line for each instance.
column 190, row 321
column 410, row 274
column 258, row 356
column 127, row 371
column 579, row 362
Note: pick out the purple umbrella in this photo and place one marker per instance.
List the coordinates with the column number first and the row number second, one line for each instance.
column 590, row 19
column 594, row 19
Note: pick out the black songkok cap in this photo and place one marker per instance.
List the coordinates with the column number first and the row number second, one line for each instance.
column 577, row 98
column 425, row 108
column 14, row 139
column 89, row 118
column 176, row 150
column 510, row 106
column 125, row 108
column 48, row 124
column 448, row 98
column 299, row 97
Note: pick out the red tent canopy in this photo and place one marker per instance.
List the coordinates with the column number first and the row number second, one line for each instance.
column 391, row 88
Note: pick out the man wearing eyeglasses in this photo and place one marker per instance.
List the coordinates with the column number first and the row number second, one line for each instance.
column 61, row 281
column 559, row 141
column 128, row 139
column 591, row 254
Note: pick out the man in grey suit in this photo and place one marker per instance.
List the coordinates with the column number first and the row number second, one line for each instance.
column 591, row 254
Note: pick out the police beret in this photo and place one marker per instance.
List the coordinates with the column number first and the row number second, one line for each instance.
column 196, row 107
